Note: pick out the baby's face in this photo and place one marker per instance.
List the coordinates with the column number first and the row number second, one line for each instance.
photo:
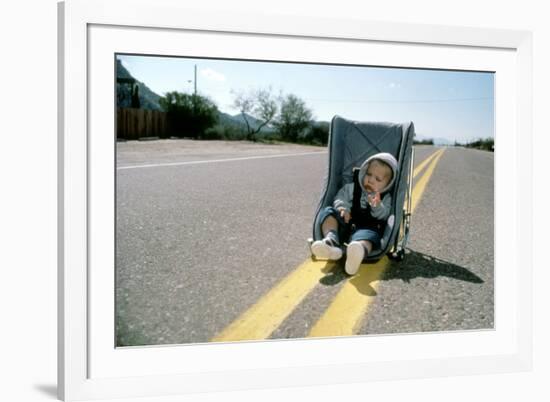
column 377, row 177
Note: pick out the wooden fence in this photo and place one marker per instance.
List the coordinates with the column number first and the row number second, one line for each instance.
column 133, row 124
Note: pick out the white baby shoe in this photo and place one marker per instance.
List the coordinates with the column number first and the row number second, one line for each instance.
column 325, row 250
column 354, row 257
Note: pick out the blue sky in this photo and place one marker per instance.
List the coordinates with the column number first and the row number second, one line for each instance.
column 442, row 104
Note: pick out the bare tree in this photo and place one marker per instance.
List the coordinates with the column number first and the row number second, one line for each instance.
column 260, row 104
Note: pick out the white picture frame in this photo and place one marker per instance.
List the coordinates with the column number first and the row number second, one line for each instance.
column 89, row 368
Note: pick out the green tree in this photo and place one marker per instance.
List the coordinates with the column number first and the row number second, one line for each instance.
column 318, row 133
column 189, row 115
column 485, row 144
column 294, row 118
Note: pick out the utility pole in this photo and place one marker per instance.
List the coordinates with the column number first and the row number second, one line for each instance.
column 195, row 79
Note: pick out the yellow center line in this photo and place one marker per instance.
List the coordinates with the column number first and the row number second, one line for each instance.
column 260, row 320
column 345, row 314
column 425, row 162
column 420, row 186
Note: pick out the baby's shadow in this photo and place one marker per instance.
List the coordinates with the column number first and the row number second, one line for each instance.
column 415, row 265
column 334, row 274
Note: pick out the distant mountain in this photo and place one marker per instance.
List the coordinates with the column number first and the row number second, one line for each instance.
column 238, row 120
column 226, row 119
column 252, row 121
column 121, row 71
column 148, row 99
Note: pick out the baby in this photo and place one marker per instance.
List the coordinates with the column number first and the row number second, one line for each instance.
column 361, row 212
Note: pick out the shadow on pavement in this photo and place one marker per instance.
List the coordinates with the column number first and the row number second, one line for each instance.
column 415, row 265
column 418, row 265
column 335, row 275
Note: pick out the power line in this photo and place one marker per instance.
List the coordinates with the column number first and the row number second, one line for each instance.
column 398, row 100
column 212, row 90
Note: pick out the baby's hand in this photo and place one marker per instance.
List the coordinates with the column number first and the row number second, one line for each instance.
column 345, row 214
column 374, row 200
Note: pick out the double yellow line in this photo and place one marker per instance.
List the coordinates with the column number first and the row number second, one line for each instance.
column 345, row 314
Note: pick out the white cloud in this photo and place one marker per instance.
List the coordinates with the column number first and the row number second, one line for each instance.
column 394, row 85
column 213, row 75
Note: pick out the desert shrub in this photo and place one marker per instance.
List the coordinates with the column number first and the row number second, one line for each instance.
column 225, row 132
column 318, row 133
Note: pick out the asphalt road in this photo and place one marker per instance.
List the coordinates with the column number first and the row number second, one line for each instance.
column 206, row 229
